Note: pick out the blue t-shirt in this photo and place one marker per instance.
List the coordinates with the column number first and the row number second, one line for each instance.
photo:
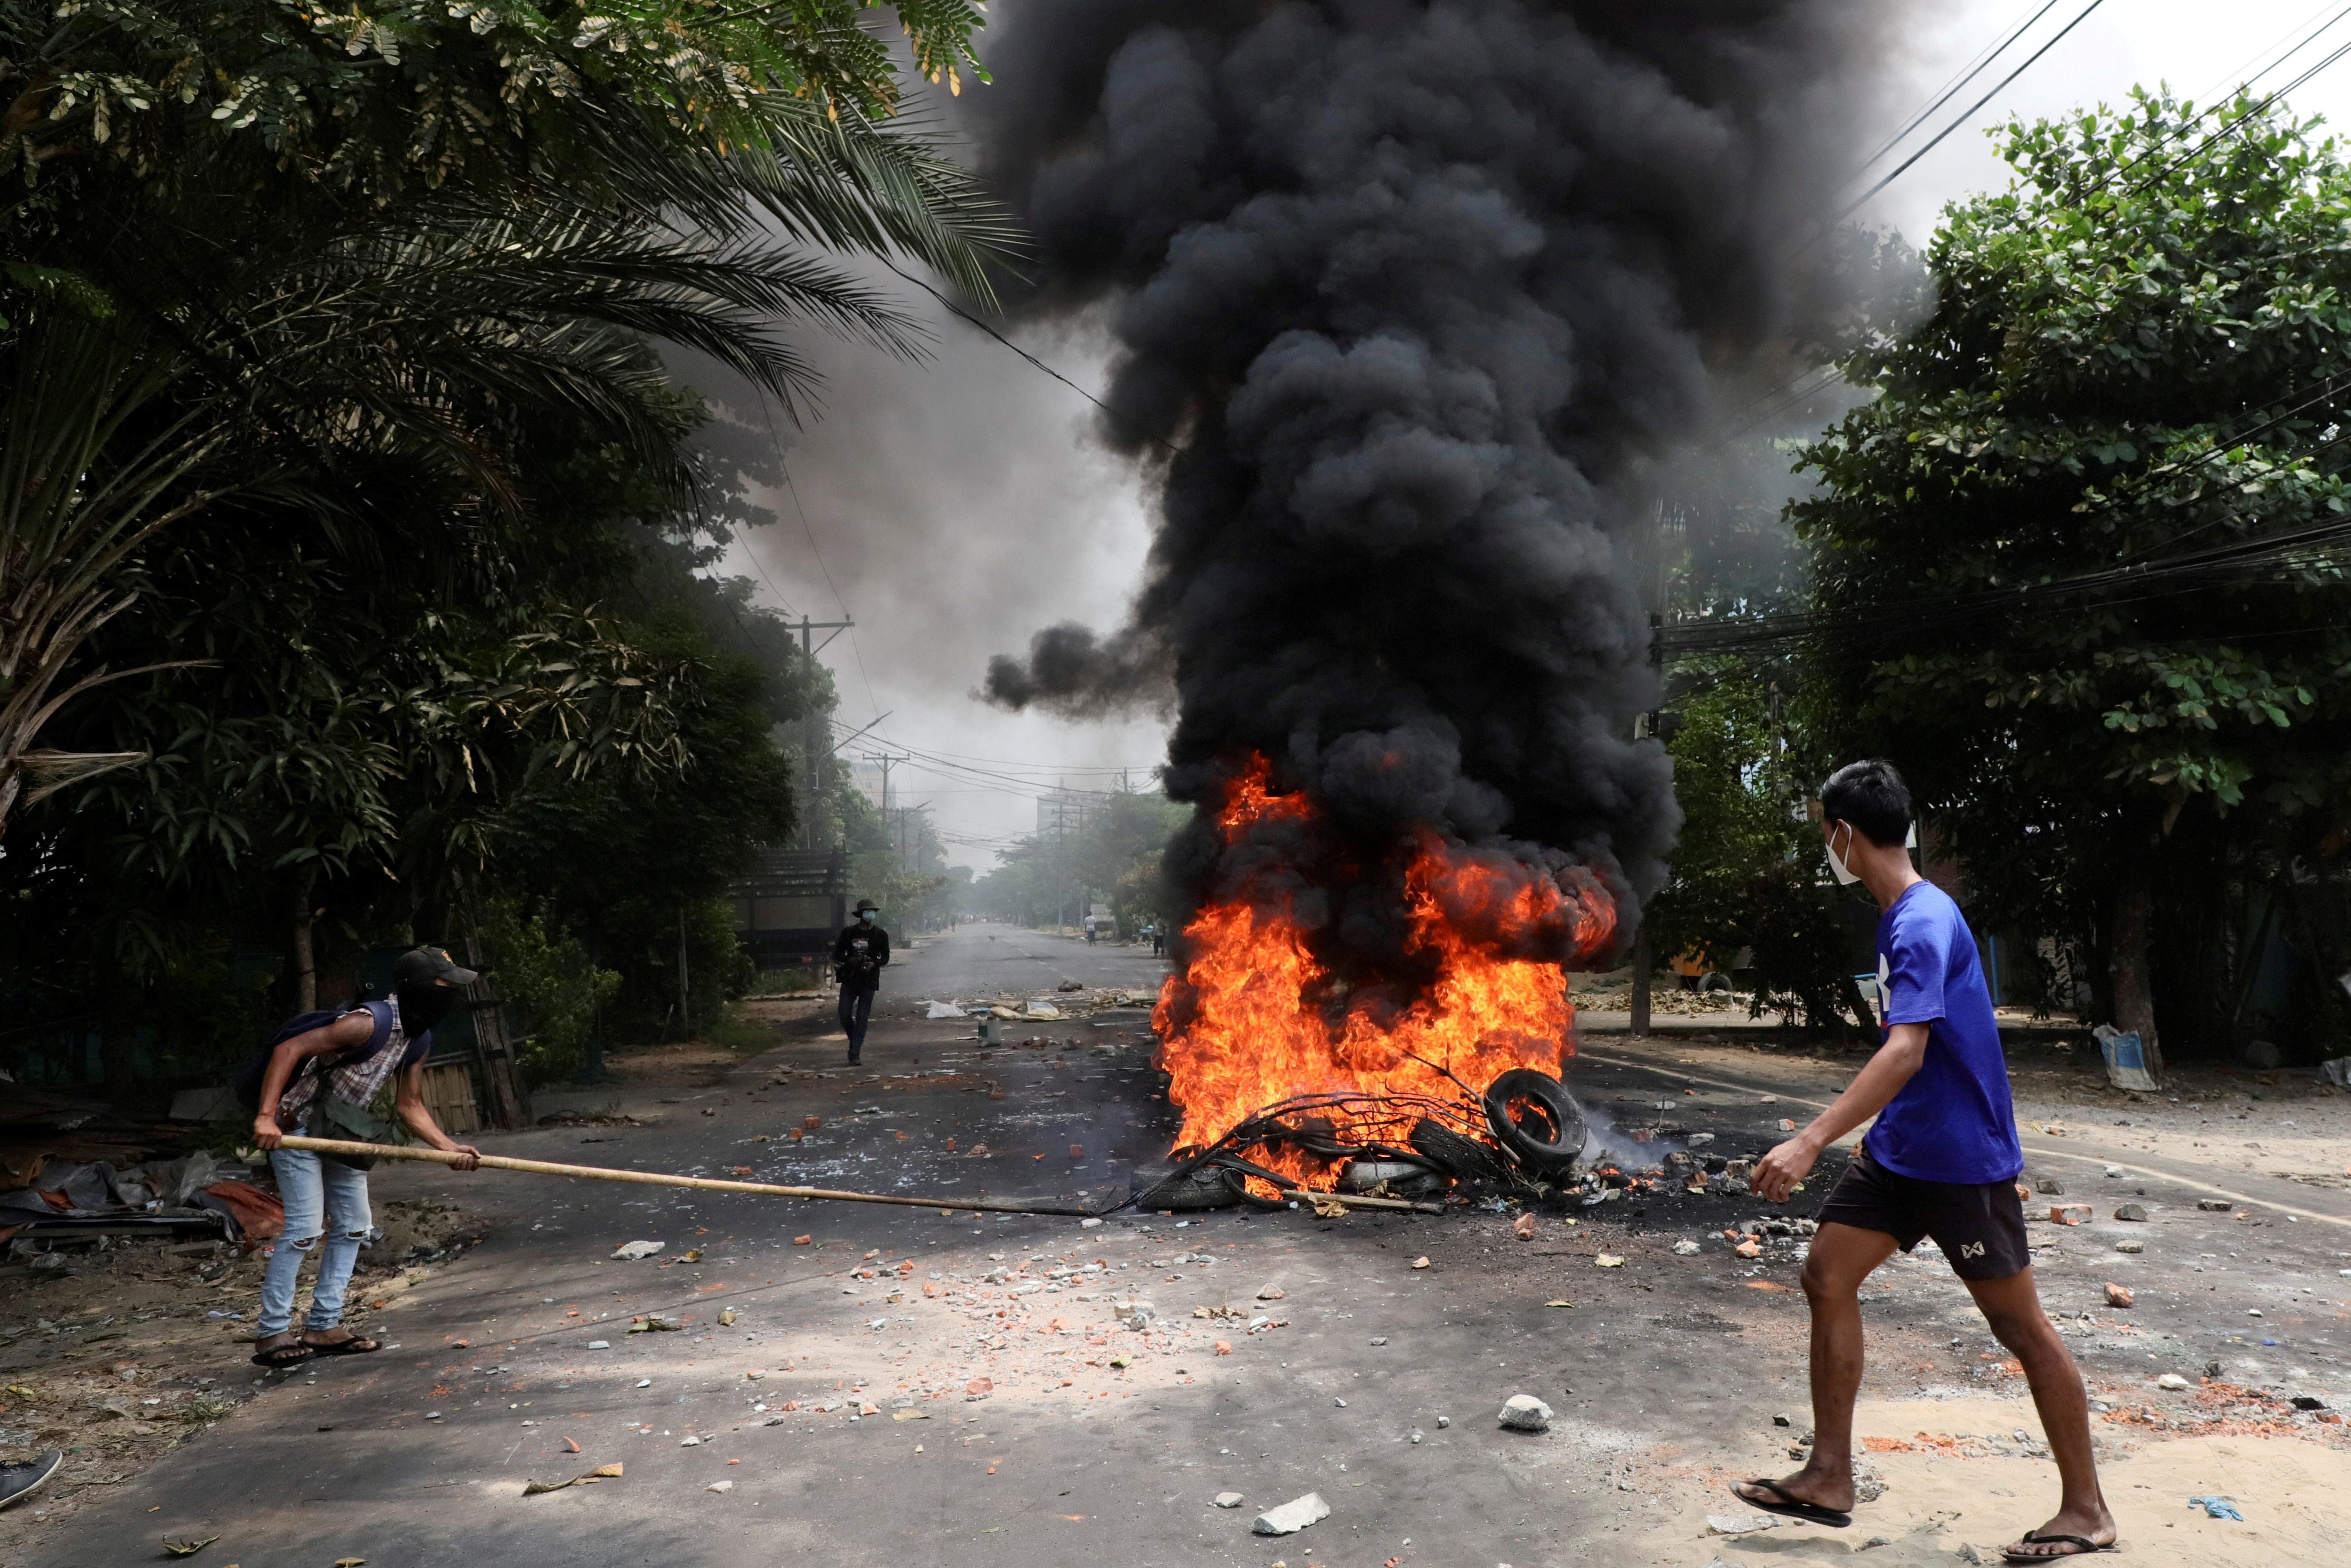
column 1954, row 1120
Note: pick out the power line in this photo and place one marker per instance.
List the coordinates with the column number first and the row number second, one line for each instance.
column 2238, row 73
column 967, row 316
column 1967, row 114
column 1973, row 70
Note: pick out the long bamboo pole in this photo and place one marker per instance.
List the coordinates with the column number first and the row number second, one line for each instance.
column 656, row 1178
column 715, row 1184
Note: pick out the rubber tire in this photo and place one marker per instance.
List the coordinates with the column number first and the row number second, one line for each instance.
column 1468, row 1159
column 1535, row 1154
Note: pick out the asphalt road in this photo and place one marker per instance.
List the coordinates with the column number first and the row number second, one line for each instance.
column 1366, row 1379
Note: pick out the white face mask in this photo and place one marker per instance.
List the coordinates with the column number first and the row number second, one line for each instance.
column 1846, row 876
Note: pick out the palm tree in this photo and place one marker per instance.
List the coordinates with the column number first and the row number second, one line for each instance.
column 210, row 338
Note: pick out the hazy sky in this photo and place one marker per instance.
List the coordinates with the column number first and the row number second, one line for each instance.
column 954, row 507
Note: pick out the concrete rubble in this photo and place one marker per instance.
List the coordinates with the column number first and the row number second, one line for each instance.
column 1293, row 1516
column 1524, row 1413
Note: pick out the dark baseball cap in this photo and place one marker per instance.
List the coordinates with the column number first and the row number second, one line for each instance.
column 422, row 966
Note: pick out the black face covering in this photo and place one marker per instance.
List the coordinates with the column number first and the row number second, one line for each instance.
column 421, row 1007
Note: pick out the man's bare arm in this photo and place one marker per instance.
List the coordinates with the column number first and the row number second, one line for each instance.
column 409, row 1104
column 1778, row 1172
column 351, row 1030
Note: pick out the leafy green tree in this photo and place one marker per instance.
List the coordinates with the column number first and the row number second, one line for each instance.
column 1748, row 874
column 2078, row 567
column 1113, row 857
column 551, row 990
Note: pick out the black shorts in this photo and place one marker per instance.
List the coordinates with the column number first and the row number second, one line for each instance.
column 1979, row 1224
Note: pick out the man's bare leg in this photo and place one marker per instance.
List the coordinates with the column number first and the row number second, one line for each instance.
column 2012, row 1308
column 1841, row 1257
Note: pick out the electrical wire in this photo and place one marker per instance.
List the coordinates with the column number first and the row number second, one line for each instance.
column 1855, row 205
column 1973, row 69
column 967, row 316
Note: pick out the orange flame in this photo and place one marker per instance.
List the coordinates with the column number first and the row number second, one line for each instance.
column 1255, row 1018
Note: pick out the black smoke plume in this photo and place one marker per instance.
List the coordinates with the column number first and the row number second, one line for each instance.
column 1412, row 299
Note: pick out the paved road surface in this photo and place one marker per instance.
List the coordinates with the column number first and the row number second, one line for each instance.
column 1093, row 1444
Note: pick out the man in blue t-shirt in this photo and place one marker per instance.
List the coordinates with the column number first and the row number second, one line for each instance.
column 1941, row 1160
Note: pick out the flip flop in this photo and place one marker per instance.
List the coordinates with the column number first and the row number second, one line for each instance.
column 2029, row 1537
column 292, row 1353
column 358, row 1344
column 1793, row 1506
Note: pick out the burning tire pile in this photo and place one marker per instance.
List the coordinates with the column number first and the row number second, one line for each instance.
column 1525, row 1137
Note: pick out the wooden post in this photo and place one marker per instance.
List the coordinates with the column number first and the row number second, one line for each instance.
column 1642, row 964
column 509, row 1100
column 2129, row 962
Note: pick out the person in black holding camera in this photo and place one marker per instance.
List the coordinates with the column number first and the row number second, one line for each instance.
column 858, row 954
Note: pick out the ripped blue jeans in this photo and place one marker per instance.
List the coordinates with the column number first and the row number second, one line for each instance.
column 322, row 1199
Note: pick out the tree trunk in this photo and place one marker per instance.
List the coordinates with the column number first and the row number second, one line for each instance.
column 2126, row 957
column 684, row 983
column 114, row 1030
column 306, row 964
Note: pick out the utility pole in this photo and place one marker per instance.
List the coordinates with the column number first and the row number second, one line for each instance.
column 1645, row 958
column 887, row 761
column 812, row 730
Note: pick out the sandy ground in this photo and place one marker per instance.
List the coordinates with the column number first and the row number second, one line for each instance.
column 1954, row 1477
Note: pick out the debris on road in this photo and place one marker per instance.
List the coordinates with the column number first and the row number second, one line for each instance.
column 2171, row 1380
column 1523, row 1228
column 2069, row 1214
column 1739, row 1523
column 2133, row 1248
column 2118, row 1295
column 1523, row 1412
column 720, row 1486
column 633, row 1251
column 1609, row 1260
column 2217, row 1508
column 2132, row 1211
column 600, row 1473
column 1685, row 1248
column 2214, row 1204
column 1420, row 1262
column 1229, row 1500
column 1270, row 1291
column 1293, row 1516
column 181, row 1546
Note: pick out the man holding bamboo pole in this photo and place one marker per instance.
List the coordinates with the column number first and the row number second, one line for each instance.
column 324, row 1070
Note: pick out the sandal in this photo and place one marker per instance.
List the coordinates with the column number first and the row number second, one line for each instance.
column 2031, row 1539
column 1793, row 1506
column 349, row 1344
column 288, row 1350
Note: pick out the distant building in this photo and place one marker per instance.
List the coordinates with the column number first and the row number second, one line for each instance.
column 867, row 779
